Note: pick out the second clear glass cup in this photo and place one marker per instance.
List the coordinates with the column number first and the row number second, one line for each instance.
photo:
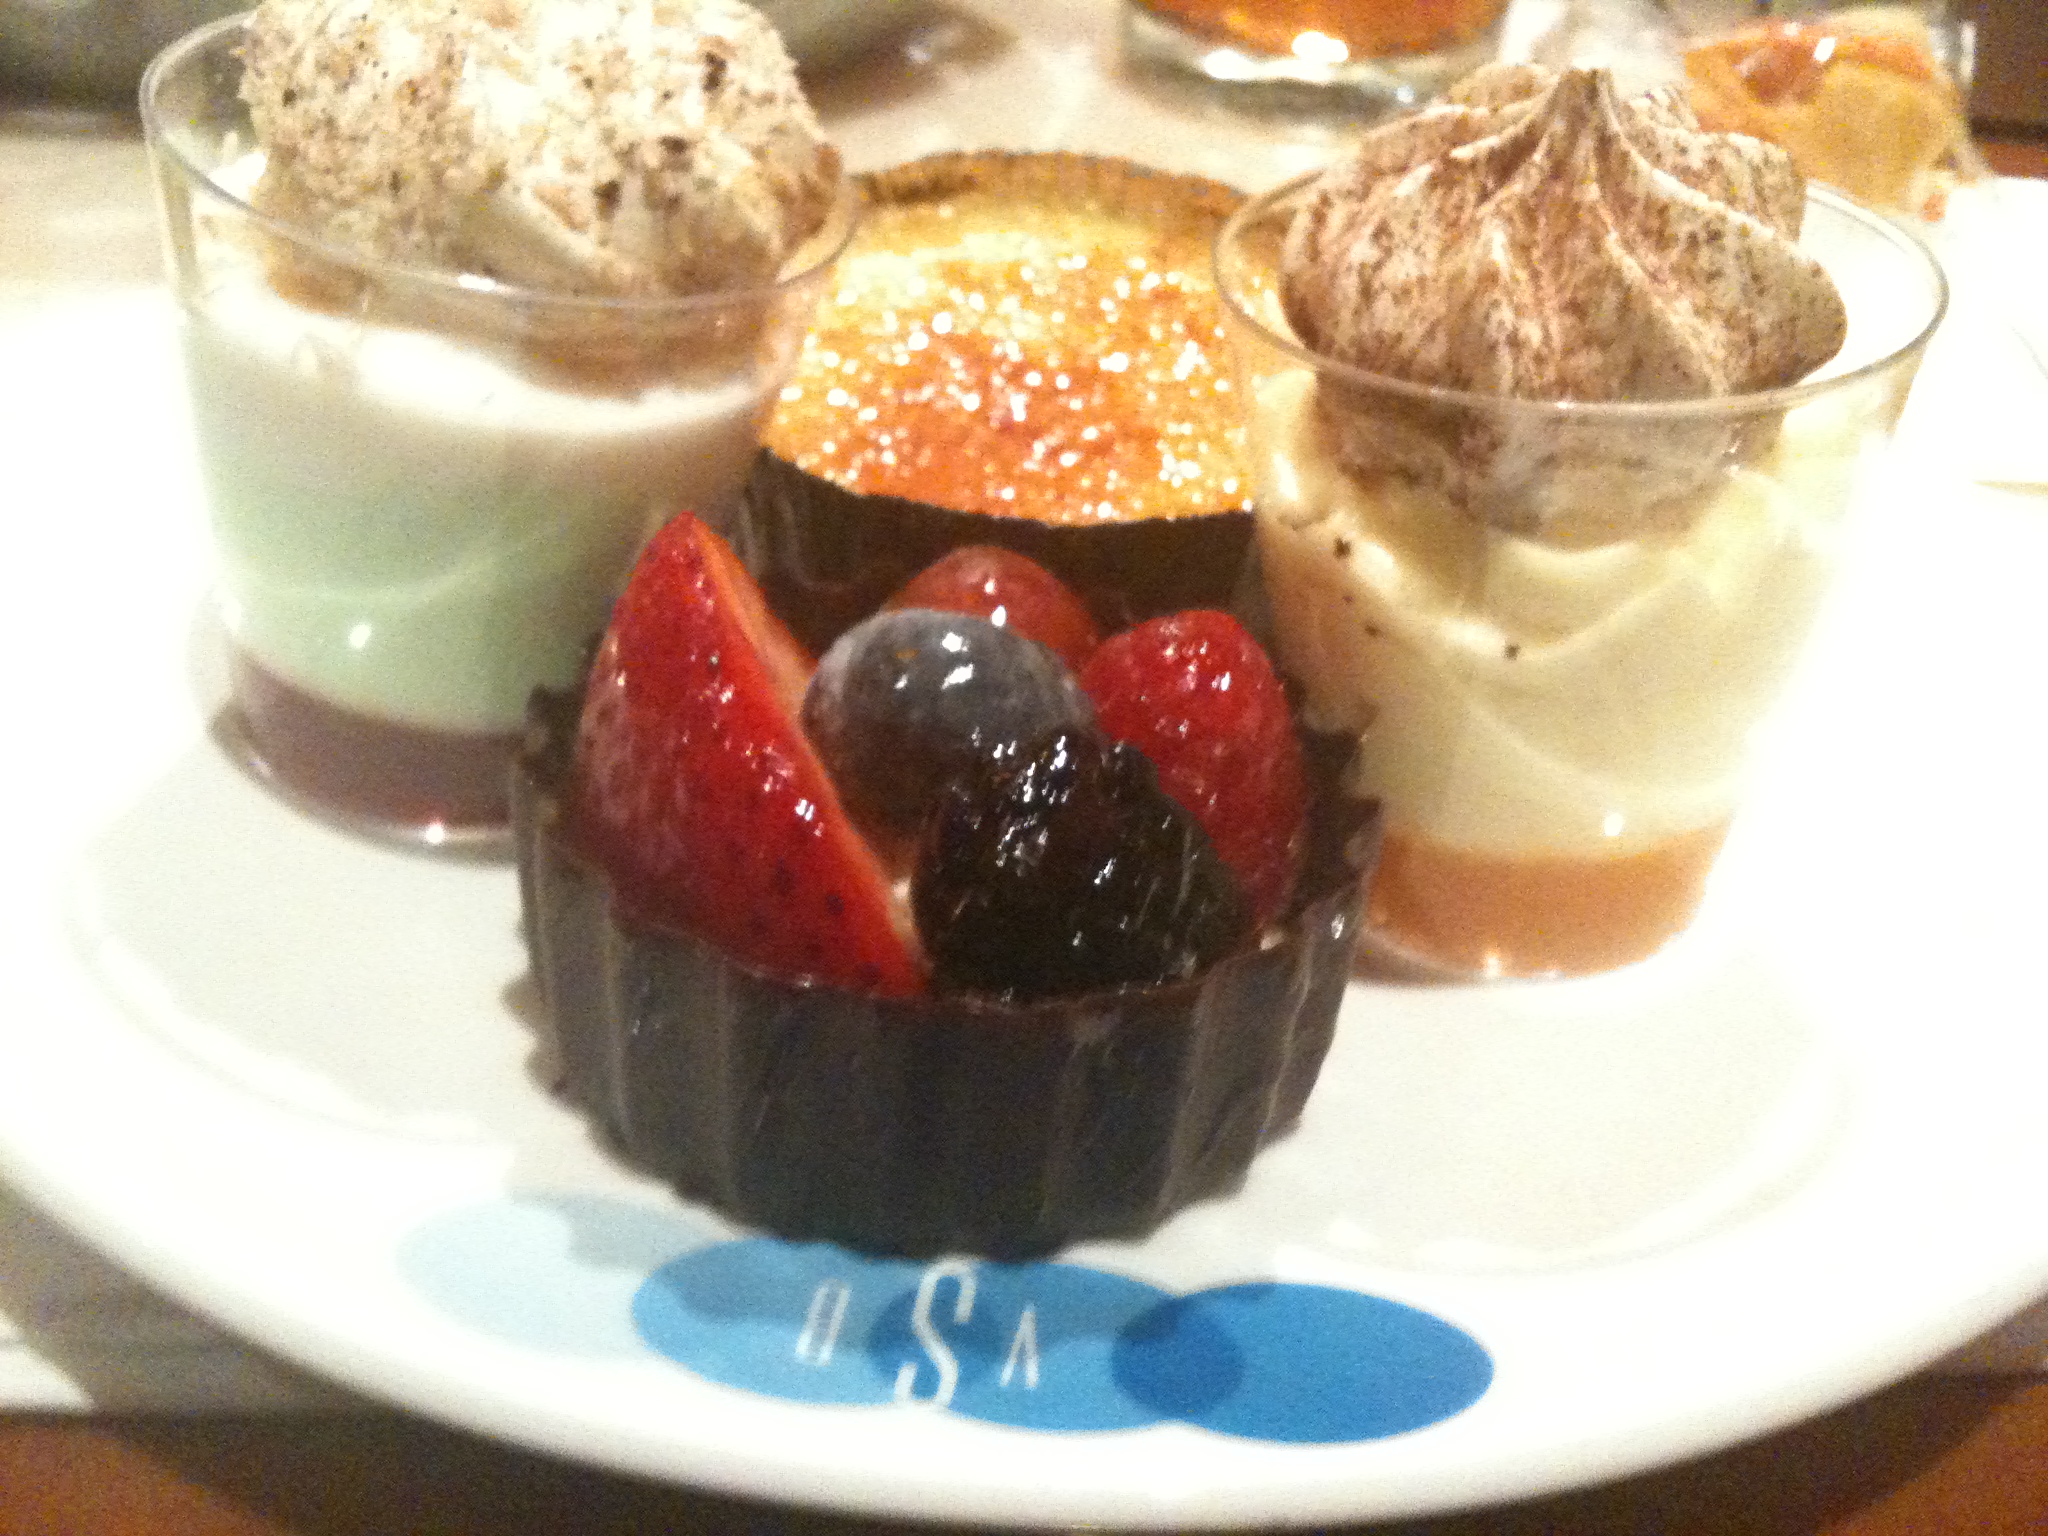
column 1357, row 57
column 426, row 488
column 1557, row 725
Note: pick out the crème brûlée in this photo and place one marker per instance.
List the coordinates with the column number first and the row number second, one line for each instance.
column 1024, row 350
column 1024, row 336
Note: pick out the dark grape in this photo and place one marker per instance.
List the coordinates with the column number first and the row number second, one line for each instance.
column 909, row 700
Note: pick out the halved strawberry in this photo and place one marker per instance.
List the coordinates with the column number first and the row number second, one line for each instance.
column 1197, row 695
column 697, row 790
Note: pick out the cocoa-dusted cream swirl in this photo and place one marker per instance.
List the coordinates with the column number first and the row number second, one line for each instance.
column 1539, row 237
column 639, row 148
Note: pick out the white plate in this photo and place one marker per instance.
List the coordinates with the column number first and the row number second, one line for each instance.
column 286, row 1076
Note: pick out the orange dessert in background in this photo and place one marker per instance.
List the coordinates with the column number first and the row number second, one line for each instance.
column 1367, row 28
column 1857, row 98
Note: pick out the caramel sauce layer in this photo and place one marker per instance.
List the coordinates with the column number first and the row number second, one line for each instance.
column 1484, row 915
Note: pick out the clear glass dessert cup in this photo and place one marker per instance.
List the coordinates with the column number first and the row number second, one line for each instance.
column 1354, row 57
column 1555, row 627
column 426, row 487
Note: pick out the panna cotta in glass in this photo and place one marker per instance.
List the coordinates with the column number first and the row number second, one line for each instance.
column 1558, row 405
column 473, row 298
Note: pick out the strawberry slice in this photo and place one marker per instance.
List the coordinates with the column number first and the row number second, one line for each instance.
column 696, row 788
column 1197, row 695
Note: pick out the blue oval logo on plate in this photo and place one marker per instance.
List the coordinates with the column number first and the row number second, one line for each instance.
column 1058, row 1347
column 787, row 1320
column 1308, row 1364
column 1029, row 1345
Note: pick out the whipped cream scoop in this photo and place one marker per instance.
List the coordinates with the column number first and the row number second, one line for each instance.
column 1535, row 239
column 610, row 147
column 1537, row 236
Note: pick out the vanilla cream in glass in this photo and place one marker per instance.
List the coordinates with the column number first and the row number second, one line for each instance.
column 427, row 484
column 1554, row 626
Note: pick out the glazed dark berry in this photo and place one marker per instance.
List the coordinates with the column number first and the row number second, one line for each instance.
column 1069, row 870
column 910, row 700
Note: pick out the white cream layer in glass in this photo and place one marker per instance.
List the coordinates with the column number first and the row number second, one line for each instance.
column 1522, row 699
column 420, row 529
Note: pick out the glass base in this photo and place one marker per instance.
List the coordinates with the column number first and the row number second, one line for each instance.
column 1247, row 78
column 397, row 783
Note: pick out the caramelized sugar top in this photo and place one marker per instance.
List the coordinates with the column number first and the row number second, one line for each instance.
column 1055, row 360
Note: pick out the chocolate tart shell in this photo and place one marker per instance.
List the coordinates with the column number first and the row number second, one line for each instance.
column 927, row 1125
column 827, row 556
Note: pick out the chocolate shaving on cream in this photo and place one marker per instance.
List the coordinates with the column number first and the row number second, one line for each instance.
column 1536, row 237
column 615, row 147
column 1539, row 237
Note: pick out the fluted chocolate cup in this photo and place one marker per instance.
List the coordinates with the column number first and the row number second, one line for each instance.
column 1555, row 712
column 929, row 1124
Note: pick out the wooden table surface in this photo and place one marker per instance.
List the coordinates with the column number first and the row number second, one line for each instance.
column 1931, row 1455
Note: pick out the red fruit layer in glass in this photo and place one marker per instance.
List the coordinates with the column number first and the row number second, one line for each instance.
column 365, row 769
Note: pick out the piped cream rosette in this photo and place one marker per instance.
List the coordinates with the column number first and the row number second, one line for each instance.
column 1536, row 237
column 625, row 148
